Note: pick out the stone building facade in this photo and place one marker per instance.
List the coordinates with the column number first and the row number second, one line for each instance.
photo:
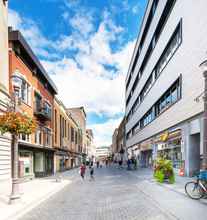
column 66, row 139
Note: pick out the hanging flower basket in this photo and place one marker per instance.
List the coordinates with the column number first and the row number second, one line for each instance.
column 17, row 123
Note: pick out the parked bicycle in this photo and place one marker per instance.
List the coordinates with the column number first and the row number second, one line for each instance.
column 197, row 189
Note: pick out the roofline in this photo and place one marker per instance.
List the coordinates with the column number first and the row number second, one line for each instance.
column 81, row 107
column 17, row 36
column 59, row 102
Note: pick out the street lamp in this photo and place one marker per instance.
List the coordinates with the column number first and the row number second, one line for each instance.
column 203, row 66
column 15, row 195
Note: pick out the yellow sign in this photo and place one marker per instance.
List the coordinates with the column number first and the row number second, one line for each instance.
column 164, row 136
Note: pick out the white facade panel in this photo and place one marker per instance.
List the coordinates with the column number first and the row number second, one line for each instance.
column 5, row 158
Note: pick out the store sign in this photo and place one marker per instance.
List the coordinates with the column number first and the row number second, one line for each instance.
column 164, row 136
column 160, row 146
column 146, row 145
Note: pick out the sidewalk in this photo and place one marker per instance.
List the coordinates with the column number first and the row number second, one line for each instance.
column 33, row 193
column 147, row 174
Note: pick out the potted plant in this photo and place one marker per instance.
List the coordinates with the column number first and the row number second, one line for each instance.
column 163, row 170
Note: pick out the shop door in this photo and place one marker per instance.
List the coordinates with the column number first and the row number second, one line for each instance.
column 48, row 163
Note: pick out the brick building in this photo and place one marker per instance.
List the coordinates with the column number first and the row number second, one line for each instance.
column 37, row 96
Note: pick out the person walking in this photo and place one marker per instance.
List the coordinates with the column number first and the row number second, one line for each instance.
column 82, row 170
column 91, row 173
column 128, row 164
column 97, row 164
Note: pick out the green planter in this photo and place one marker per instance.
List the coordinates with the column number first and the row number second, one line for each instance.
column 163, row 171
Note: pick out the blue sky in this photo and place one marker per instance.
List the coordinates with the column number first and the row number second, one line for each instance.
column 86, row 47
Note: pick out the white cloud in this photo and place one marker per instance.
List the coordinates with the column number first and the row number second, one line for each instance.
column 83, row 80
column 32, row 33
column 103, row 132
column 83, row 23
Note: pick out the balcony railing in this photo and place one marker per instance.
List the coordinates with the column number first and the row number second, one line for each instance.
column 42, row 111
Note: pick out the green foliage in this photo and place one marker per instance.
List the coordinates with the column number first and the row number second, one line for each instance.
column 164, row 170
column 159, row 176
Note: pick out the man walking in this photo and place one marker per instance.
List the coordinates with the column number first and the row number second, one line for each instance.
column 91, row 173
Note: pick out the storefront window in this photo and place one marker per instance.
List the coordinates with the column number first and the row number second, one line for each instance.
column 39, row 162
column 25, row 163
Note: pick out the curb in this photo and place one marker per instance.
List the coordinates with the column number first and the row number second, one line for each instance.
column 31, row 205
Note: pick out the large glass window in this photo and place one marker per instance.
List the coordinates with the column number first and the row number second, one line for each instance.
column 172, row 45
column 172, row 95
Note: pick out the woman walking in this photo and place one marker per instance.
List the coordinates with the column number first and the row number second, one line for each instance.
column 82, row 170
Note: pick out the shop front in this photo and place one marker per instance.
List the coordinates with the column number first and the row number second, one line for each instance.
column 26, row 164
column 62, row 161
column 169, row 146
column 35, row 162
column 145, row 155
column 43, row 163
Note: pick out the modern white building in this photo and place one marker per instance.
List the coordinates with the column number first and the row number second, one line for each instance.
column 102, row 152
column 164, row 84
column 5, row 146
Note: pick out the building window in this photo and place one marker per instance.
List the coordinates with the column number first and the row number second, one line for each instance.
column 136, row 128
column 146, row 88
column 169, row 51
column 68, row 132
column 47, row 109
column 25, row 137
column 47, row 132
column 76, row 137
column 72, row 134
column 38, row 136
column 65, row 129
column 172, row 95
column 55, row 126
column 149, row 117
column 25, row 92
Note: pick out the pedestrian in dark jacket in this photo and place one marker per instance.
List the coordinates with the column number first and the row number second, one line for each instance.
column 91, row 173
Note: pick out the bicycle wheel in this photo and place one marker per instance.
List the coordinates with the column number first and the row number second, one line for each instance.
column 193, row 190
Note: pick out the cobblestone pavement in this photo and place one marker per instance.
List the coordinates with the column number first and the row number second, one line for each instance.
column 114, row 195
